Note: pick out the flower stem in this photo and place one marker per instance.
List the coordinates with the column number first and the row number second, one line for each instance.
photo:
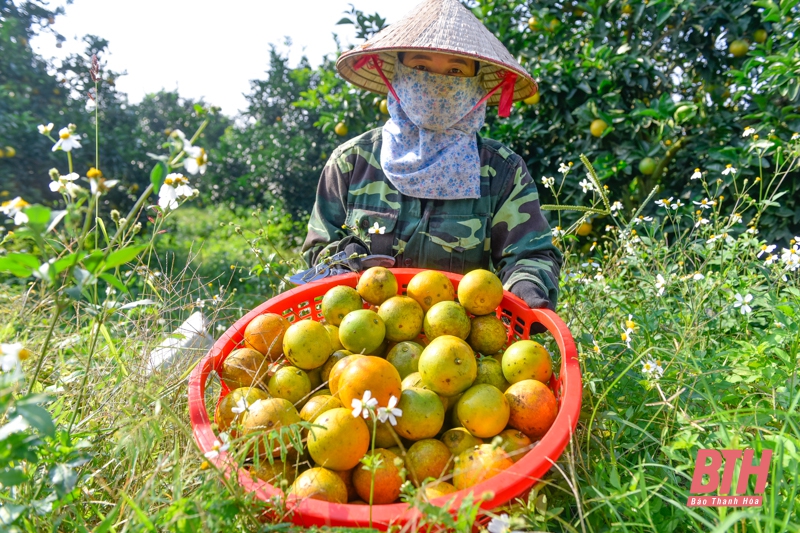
column 53, row 320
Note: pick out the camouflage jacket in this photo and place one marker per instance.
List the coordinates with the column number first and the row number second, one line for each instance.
column 503, row 230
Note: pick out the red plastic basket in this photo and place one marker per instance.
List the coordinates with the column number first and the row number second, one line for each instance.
column 304, row 302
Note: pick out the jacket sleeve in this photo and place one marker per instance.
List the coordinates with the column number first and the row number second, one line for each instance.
column 522, row 242
column 330, row 211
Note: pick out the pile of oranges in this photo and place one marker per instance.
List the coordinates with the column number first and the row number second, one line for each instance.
column 427, row 380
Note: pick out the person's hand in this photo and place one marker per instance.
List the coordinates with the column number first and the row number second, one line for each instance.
column 535, row 298
column 352, row 245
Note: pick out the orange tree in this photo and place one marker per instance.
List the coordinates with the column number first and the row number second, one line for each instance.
column 674, row 81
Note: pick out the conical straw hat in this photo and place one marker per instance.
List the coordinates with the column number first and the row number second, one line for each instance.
column 443, row 26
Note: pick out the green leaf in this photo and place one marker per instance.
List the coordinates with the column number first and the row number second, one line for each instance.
column 122, row 256
column 114, row 282
column 344, row 21
column 8, row 265
column 92, row 261
column 38, row 216
column 63, row 263
column 157, row 175
column 11, row 477
column 38, row 417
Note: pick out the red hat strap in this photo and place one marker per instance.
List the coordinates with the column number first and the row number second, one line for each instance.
column 506, row 95
column 372, row 61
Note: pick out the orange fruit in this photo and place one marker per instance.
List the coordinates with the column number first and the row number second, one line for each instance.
column 224, row 415
column 403, row 318
column 307, row 344
column 265, row 334
column 376, row 285
column 333, row 332
column 533, row 99
column 290, row 383
column 387, row 482
column 341, row 442
column 338, row 355
column 487, row 334
column 347, row 477
column 340, row 129
column 597, row 127
column 317, row 405
column 383, row 437
column 384, row 106
column 404, row 356
column 263, row 420
column 339, row 301
column 760, row 36
column 490, row 371
column 244, row 367
column 315, row 378
column 362, row 331
column 447, row 366
column 515, row 443
column 739, row 48
column 480, row 292
column 428, row 458
column 430, row 287
column 439, row 489
column 527, row 359
column 479, row 464
column 458, row 440
column 446, row 318
column 584, row 229
column 372, row 374
column 414, row 379
column 533, row 407
column 423, row 414
column 319, row 484
column 483, row 410
column 647, row 166
column 336, row 371
column 275, row 472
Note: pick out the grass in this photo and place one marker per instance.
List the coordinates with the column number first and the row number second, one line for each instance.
column 694, row 370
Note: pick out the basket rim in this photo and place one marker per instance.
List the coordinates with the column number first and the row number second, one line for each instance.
column 503, row 487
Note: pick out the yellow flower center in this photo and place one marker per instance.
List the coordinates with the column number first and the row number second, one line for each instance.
column 24, row 354
column 697, row 170
column 630, row 324
column 94, row 173
column 65, row 135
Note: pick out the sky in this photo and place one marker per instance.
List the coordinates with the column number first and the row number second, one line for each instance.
column 203, row 48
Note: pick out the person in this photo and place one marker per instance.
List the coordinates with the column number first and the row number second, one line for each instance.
column 426, row 188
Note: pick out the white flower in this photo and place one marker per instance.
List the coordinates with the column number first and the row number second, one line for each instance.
column 363, row 406
column 728, row 170
column 563, row 169
column 676, row 205
column 616, row 206
column 218, row 447
column 660, row 284
column 11, row 357
column 795, row 136
column 705, row 203
column 100, row 185
column 64, row 184
column 391, row 412
column 697, row 276
column 596, row 347
column 701, row 222
column 770, row 259
column 742, row 303
column 558, row 232
column 664, row 203
column 500, row 524
column 66, row 140
column 626, row 336
column 640, row 219
column 791, row 258
column 175, row 186
column 380, row 230
column 196, row 160
column 736, row 218
column 766, row 249
column 548, row 182
column 240, row 407
column 586, row 185
column 752, row 230
column 779, row 324
column 748, row 131
column 652, row 369
column 13, row 208
column 697, row 174
column 45, row 130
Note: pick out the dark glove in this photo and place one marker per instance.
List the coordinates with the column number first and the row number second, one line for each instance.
column 351, row 245
column 535, row 298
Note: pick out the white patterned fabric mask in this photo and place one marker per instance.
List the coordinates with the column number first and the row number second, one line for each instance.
column 430, row 148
